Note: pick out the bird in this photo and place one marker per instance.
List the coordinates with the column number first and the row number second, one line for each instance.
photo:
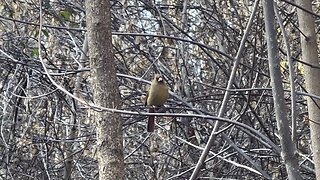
column 157, row 95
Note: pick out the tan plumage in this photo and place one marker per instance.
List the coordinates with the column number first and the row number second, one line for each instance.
column 156, row 96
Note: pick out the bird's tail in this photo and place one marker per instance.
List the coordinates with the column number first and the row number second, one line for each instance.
column 150, row 127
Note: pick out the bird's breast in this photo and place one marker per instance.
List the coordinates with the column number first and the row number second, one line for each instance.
column 158, row 95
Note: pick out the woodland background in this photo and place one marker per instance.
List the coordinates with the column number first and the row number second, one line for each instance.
column 47, row 134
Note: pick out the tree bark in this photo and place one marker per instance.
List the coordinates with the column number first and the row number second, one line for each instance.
column 312, row 74
column 287, row 146
column 106, row 92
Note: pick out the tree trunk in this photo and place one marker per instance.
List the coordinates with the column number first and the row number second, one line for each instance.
column 287, row 146
column 312, row 75
column 106, row 92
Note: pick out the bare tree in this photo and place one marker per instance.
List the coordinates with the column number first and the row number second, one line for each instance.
column 288, row 151
column 213, row 57
column 106, row 92
column 308, row 40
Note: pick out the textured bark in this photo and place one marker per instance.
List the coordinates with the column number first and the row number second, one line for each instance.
column 287, row 146
column 312, row 75
column 106, row 92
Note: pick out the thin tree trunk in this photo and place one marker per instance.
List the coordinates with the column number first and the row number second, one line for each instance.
column 287, row 146
column 312, row 75
column 106, row 92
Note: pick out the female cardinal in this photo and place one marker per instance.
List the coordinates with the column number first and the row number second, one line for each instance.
column 156, row 96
